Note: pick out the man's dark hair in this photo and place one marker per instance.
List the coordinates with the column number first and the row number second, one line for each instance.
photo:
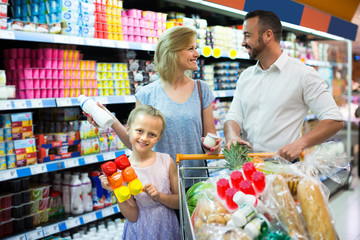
column 267, row 20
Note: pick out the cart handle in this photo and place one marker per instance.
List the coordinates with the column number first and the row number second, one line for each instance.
column 180, row 157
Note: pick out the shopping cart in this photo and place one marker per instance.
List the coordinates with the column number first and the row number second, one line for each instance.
column 186, row 228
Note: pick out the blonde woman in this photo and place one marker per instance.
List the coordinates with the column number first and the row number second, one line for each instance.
column 177, row 97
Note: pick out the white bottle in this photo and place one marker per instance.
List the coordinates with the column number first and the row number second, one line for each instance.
column 76, row 191
column 100, row 116
column 86, row 186
column 56, row 182
column 66, row 192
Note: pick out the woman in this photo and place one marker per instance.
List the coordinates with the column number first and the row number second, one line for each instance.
column 177, row 97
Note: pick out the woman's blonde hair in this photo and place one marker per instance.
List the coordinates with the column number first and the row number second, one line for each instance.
column 169, row 45
column 148, row 110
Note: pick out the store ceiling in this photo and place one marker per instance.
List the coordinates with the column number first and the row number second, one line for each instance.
column 348, row 10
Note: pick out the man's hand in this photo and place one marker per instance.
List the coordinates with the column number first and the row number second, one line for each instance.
column 152, row 191
column 291, row 151
column 235, row 140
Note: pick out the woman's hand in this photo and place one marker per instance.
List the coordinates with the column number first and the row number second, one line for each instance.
column 152, row 191
column 105, row 183
column 215, row 150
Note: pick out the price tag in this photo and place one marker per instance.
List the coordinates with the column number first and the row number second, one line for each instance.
column 109, row 155
column 8, row 174
column 5, row 105
column 92, row 41
column 37, row 234
column 148, row 47
column 91, row 159
column 89, row 217
column 7, row 34
column 61, row 38
column 73, row 223
column 20, row 104
column 38, row 168
column 107, row 43
column 70, row 163
column 123, row 44
column 19, row 237
column 63, row 102
column 102, row 100
column 51, row 230
column 108, row 211
column 36, row 103
column 77, row 40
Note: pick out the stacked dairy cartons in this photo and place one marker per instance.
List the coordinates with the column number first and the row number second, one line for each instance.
column 108, row 19
column 112, row 79
column 223, row 37
column 79, row 17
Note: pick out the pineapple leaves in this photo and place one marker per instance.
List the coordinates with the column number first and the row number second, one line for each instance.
column 236, row 156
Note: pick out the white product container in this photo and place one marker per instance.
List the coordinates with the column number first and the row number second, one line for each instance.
column 66, row 192
column 87, row 197
column 100, row 116
column 76, row 191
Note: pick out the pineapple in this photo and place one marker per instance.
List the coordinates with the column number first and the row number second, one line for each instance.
column 236, row 156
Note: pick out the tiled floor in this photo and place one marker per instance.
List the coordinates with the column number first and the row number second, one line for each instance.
column 345, row 207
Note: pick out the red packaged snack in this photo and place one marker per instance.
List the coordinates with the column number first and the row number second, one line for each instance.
column 247, row 188
column 109, row 168
column 229, row 194
column 249, row 169
column 222, row 185
column 236, row 177
column 122, row 162
column 258, row 179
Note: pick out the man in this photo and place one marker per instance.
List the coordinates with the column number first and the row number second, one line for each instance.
column 272, row 97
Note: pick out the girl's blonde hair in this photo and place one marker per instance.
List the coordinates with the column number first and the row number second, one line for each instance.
column 171, row 42
column 148, row 110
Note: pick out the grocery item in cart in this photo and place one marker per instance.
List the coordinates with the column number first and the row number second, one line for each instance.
column 315, row 211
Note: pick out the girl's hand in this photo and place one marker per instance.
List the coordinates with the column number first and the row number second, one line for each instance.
column 215, row 150
column 152, row 191
column 91, row 120
column 105, row 183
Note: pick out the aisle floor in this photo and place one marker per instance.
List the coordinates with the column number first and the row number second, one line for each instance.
column 345, row 207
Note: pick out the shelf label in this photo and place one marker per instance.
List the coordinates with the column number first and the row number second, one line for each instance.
column 7, row 34
column 37, row 234
column 51, row 229
column 107, row 43
column 19, row 237
column 108, row 212
column 8, row 174
column 38, row 168
column 123, row 45
column 63, row 102
column 89, row 217
column 92, row 41
column 20, row 104
column 70, row 163
column 102, row 100
column 61, row 38
column 109, row 155
column 77, row 40
column 4, row 105
column 91, row 159
column 36, row 103
column 73, row 223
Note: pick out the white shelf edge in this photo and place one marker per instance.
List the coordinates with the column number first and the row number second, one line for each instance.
column 14, row 173
column 71, row 222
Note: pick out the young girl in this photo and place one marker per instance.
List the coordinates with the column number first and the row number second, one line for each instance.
column 150, row 214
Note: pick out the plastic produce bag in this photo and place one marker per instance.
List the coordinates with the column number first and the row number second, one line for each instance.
column 213, row 232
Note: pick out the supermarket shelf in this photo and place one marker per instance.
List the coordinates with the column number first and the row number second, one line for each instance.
column 20, row 172
column 325, row 64
column 72, row 102
column 26, row 104
column 72, row 222
column 94, row 42
column 63, row 39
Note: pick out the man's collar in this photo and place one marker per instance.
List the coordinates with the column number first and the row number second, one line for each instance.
column 279, row 63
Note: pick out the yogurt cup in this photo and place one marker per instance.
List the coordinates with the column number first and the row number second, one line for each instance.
column 210, row 140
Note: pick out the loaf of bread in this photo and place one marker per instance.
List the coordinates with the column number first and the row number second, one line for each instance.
column 315, row 212
column 286, row 208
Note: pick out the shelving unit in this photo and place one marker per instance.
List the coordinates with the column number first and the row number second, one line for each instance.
column 57, row 165
column 51, row 229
